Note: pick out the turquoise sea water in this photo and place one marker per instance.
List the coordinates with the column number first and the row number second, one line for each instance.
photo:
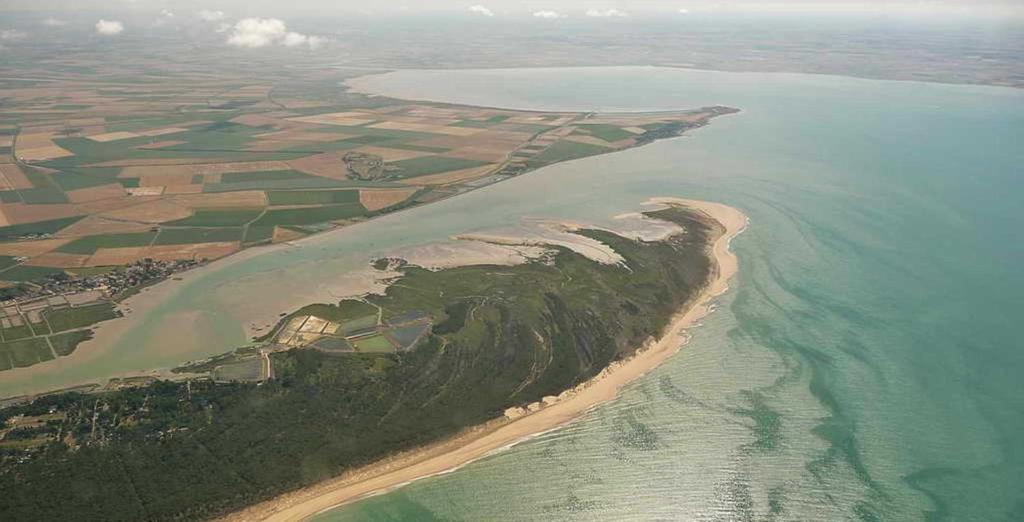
column 868, row 363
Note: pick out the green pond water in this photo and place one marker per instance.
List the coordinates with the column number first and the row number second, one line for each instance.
column 867, row 364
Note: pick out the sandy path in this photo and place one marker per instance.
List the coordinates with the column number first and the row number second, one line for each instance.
column 483, row 440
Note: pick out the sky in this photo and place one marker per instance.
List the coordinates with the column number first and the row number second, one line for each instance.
column 499, row 8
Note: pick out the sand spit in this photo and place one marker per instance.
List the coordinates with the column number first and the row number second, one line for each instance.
column 455, row 253
column 541, row 417
column 547, row 233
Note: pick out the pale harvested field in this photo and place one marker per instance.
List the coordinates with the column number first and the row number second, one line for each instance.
column 424, row 127
column 432, row 112
column 589, row 140
column 31, row 248
column 347, row 119
column 163, row 131
column 159, row 145
column 243, row 166
column 255, row 120
column 93, row 225
column 303, row 135
column 18, row 213
column 275, row 145
column 113, row 136
column 192, row 251
column 282, row 235
column 451, row 177
column 60, row 260
column 145, row 191
column 183, row 189
column 6, row 141
column 42, row 153
column 328, row 165
column 116, row 256
column 14, row 178
column 418, row 120
column 378, row 199
column 89, row 130
column 155, row 170
column 494, row 154
column 150, row 212
column 245, row 198
column 392, row 154
column 162, row 180
column 34, row 140
column 113, row 190
column 85, row 122
column 481, row 140
column 136, row 162
column 106, row 205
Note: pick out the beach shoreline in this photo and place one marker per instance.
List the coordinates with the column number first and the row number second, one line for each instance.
column 481, row 441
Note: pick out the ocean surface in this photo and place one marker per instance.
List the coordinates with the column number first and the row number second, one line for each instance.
column 868, row 363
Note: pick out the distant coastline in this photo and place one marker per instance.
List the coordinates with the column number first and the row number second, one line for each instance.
column 480, row 441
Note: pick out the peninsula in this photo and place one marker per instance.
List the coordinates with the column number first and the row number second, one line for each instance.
column 487, row 354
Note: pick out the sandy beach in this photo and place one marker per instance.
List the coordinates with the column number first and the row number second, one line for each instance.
column 481, row 441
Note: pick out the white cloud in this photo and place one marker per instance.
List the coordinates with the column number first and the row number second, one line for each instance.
column 166, row 14
column 548, row 14
column 223, row 27
column 257, row 32
column 481, row 10
column 210, row 16
column 54, row 22
column 294, row 39
column 109, row 27
column 316, row 42
column 684, row 10
column 12, row 34
column 261, row 32
column 606, row 13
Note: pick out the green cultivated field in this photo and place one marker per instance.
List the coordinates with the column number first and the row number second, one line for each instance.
column 258, row 234
column 7, row 262
column 308, row 182
column 607, row 132
column 90, row 244
column 426, row 165
column 182, row 236
column 24, row 353
column 374, row 344
column 80, row 317
column 43, row 196
column 28, row 273
column 565, row 151
column 41, row 227
column 310, row 216
column 17, row 332
column 218, row 218
column 245, row 370
column 312, row 197
column 65, row 343
column 264, row 175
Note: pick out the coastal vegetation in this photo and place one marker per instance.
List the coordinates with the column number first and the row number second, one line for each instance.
column 498, row 337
